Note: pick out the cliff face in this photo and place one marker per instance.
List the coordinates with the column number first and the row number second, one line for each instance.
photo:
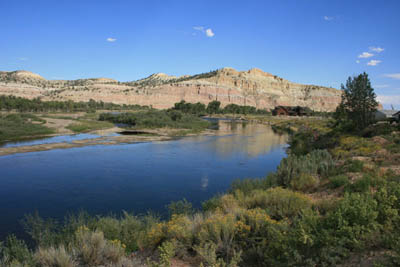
column 253, row 87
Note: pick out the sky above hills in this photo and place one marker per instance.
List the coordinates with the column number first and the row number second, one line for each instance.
column 307, row 41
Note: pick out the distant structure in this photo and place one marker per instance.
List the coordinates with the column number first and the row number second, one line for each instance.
column 387, row 114
column 396, row 116
column 291, row 111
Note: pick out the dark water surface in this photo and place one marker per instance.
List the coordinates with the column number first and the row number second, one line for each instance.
column 133, row 177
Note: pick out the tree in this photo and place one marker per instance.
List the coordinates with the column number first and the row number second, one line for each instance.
column 213, row 107
column 358, row 103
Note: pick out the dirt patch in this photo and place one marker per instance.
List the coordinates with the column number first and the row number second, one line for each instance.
column 59, row 125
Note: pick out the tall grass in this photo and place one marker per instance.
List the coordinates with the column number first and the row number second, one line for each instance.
column 20, row 126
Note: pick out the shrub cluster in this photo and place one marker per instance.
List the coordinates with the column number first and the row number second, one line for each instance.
column 156, row 119
column 36, row 105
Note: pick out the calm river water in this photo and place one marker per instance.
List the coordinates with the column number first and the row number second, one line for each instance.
column 134, row 177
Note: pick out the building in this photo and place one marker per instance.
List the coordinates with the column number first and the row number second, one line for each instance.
column 291, row 111
column 396, row 116
column 386, row 114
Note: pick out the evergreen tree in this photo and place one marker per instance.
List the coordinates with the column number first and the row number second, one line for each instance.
column 359, row 103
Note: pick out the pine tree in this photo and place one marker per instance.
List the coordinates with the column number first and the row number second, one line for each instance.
column 358, row 102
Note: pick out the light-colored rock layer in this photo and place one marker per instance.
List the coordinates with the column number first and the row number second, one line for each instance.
column 253, row 87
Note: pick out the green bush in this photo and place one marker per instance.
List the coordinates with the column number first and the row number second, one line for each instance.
column 181, row 207
column 317, row 163
column 279, row 203
column 364, row 184
column 249, row 184
column 15, row 251
column 354, row 221
column 338, row 181
column 211, row 204
column 304, row 182
column 354, row 165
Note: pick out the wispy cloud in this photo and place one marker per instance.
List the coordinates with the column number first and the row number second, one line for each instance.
column 389, row 99
column 393, row 75
column 23, row 58
column 198, row 28
column 358, row 61
column 376, row 49
column 208, row 32
column 365, row 55
column 379, row 86
column 328, row 18
column 111, row 40
column 374, row 62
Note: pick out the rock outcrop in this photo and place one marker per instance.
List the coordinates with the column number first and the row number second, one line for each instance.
column 227, row 85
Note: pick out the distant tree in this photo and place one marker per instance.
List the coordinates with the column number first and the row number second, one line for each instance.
column 213, row 107
column 358, row 104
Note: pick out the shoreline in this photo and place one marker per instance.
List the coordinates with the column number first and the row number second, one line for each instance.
column 155, row 135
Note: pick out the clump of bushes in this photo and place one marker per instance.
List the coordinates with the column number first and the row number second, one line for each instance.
column 278, row 202
column 157, row 119
column 338, row 181
column 295, row 171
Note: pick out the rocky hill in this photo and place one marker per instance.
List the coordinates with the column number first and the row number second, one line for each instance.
column 229, row 86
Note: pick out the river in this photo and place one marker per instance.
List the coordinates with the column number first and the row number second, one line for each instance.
column 141, row 177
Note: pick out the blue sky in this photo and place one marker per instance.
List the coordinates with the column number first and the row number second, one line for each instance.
column 308, row 41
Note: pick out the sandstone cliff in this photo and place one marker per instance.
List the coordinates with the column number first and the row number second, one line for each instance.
column 253, row 87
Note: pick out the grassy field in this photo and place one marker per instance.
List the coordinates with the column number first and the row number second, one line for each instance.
column 22, row 126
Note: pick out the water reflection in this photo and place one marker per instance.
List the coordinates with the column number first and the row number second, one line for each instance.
column 240, row 137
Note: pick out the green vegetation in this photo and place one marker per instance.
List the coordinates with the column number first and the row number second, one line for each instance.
column 334, row 200
column 88, row 125
column 214, row 108
column 21, row 126
column 36, row 105
column 157, row 119
column 356, row 111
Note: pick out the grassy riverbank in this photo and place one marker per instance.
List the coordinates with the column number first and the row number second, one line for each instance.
column 333, row 201
column 22, row 126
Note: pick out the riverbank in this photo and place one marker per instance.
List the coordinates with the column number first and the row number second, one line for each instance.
column 22, row 127
column 333, row 201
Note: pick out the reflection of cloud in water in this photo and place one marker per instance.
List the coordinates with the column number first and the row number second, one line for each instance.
column 204, row 182
column 250, row 138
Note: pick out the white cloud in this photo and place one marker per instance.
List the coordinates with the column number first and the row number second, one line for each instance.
column 366, row 55
column 393, row 76
column 389, row 99
column 209, row 33
column 357, row 61
column 198, row 28
column 381, row 86
column 111, row 40
column 376, row 49
column 373, row 62
column 23, row 58
column 327, row 18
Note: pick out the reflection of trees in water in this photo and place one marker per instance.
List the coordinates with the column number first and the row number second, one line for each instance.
column 252, row 139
